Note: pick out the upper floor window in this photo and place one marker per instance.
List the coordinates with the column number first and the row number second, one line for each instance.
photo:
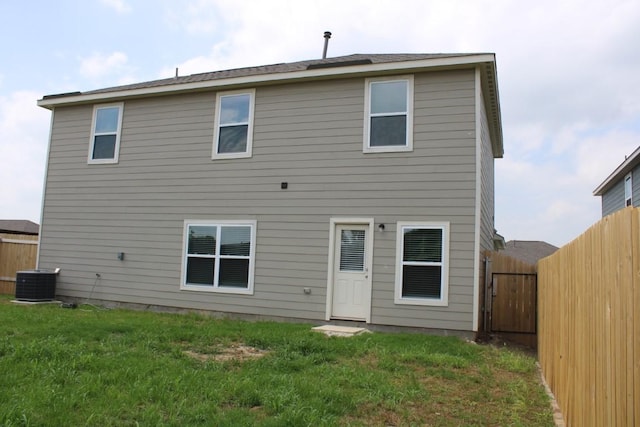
column 628, row 190
column 105, row 133
column 388, row 114
column 422, row 263
column 233, row 132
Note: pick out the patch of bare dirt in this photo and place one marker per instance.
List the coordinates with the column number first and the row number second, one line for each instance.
column 235, row 352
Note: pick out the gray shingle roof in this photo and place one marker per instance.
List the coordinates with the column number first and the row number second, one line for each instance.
column 18, row 226
column 356, row 64
column 354, row 59
column 529, row 251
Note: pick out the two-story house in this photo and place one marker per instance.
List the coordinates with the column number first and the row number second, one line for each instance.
column 352, row 188
column 622, row 187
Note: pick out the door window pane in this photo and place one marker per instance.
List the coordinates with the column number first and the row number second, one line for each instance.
column 352, row 250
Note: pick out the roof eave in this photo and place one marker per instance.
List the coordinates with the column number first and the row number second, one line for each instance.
column 262, row 79
column 490, row 88
column 625, row 167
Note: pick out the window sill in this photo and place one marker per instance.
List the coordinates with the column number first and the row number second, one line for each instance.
column 387, row 149
column 211, row 289
column 231, row 156
column 422, row 301
column 103, row 162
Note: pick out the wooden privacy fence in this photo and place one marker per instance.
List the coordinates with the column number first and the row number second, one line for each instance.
column 17, row 253
column 589, row 323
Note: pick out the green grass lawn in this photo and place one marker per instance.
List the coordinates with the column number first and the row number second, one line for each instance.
column 98, row 367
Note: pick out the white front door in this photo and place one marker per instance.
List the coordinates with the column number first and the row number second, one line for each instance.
column 351, row 278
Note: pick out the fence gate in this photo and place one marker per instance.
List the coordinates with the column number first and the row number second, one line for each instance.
column 513, row 302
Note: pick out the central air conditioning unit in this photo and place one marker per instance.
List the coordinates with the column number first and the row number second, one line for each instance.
column 35, row 285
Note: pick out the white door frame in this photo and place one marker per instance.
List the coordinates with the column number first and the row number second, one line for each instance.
column 368, row 261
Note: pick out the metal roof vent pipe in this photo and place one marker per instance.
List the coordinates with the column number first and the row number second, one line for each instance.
column 327, row 36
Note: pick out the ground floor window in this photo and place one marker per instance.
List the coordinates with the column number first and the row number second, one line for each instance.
column 219, row 256
column 422, row 263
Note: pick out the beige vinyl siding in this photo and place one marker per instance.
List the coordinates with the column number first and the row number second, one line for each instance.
column 487, row 202
column 309, row 135
column 444, row 159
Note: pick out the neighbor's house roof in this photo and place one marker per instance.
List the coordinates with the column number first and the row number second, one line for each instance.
column 619, row 173
column 529, row 251
column 19, row 226
column 317, row 69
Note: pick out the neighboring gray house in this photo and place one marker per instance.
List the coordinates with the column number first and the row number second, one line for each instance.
column 353, row 188
column 622, row 187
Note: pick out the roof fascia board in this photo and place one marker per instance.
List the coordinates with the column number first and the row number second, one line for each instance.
column 271, row 78
column 491, row 98
column 620, row 171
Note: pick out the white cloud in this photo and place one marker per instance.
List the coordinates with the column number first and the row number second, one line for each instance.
column 25, row 129
column 106, row 69
column 547, row 195
column 119, row 6
column 98, row 64
column 568, row 75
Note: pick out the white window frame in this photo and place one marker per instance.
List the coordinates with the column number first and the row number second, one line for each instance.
column 216, row 130
column 116, row 152
column 367, row 148
column 444, row 284
column 214, row 287
column 628, row 197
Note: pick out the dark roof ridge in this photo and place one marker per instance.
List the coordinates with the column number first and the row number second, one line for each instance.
column 283, row 67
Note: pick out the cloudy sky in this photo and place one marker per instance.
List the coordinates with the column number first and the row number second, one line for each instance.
column 568, row 73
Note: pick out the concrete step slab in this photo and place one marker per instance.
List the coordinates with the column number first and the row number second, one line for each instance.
column 339, row 331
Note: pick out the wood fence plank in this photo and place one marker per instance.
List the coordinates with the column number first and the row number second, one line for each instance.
column 635, row 319
column 17, row 253
column 589, row 323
